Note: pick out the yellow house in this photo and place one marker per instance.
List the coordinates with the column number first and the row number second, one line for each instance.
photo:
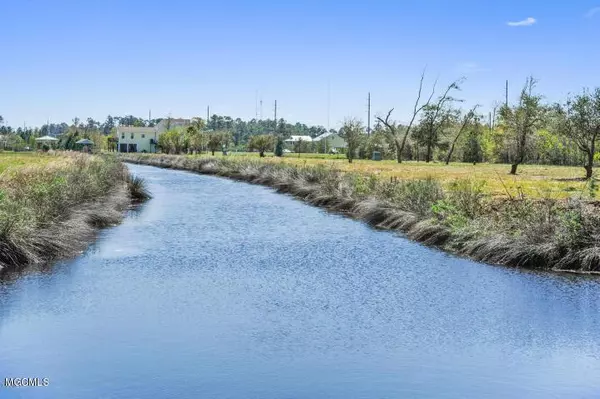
column 145, row 139
column 137, row 139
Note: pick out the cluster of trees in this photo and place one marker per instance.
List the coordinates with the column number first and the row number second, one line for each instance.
column 528, row 131
column 438, row 129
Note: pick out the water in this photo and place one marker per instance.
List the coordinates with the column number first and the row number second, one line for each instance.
column 220, row 289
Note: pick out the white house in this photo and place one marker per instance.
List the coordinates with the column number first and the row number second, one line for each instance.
column 330, row 140
column 145, row 139
column 295, row 139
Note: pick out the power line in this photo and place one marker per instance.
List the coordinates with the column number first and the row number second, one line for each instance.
column 328, row 102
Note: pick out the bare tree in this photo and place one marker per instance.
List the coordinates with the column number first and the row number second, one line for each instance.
column 435, row 118
column 522, row 120
column 468, row 117
column 579, row 120
column 399, row 141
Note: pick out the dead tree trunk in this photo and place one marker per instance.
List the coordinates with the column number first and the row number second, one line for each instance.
column 416, row 110
column 589, row 168
column 466, row 121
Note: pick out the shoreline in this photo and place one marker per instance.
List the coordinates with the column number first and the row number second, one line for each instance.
column 379, row 214
column 67, row 238
column 58, row 210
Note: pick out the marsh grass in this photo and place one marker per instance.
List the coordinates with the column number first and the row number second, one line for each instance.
column 51, row 207
column 137, row 188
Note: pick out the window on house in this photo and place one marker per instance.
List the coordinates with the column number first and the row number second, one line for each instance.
column 122, row 135
column 132, row 136
column 143, row 136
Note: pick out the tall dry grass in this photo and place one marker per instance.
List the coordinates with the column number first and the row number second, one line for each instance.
column 52, row 210
column 547, row 233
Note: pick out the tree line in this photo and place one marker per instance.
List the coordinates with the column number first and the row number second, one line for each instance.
column 438, row 129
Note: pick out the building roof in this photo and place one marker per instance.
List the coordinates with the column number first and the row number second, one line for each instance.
column 324, row 136
column 293, row 139
column 46, row 138
column 135, row 129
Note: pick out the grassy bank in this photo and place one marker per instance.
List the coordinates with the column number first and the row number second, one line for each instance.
column 52, row 204
column 536, row 181
column 458, row 216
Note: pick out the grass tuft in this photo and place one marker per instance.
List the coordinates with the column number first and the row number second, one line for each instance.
column 137, row 188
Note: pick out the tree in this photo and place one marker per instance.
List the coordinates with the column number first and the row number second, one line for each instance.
column 473, row 151
column 394, row 132
column 279, row 147
column 171, row 141
column 434, row 120
column 198, row 123
column 465, row 122
column 194, row 139
column 217, row 140
column 579, row 120
column 353, row 132
column 301, row 146
column 261, row 143
column 108, row 125
column 522, row 120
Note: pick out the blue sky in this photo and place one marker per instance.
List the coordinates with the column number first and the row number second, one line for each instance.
column 62, row 59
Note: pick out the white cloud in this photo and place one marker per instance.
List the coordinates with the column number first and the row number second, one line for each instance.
column 592, row 12
column 526, row 22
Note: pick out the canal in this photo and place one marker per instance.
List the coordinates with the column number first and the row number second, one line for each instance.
column 221, row 289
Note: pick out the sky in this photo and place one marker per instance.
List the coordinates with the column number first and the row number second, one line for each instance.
column 318, row 59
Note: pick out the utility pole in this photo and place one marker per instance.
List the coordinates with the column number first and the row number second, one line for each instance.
column 369, row 115
column 149, row 116
column 506, row 94
column 275, row 117
column 260, row 109
column 207, row 114
column 328, row 103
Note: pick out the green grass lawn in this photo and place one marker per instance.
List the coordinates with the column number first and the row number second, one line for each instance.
column 532, row 180
column 14, row 160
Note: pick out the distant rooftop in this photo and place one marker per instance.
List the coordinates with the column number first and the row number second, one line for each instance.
column 294, row 139
column 323, row 136
column 135, row 129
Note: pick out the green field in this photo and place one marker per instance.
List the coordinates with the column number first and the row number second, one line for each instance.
column 15, row 160
column 532, row 180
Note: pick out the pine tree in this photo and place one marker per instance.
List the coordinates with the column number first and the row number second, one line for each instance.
column 279, row 147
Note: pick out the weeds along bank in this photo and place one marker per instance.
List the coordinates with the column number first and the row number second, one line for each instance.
column 539, row 233
column 51, row 207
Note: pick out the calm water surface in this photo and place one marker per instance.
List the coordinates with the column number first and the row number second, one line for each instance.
column 220, row 289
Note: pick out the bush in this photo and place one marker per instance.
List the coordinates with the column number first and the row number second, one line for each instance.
column 414, row 195
column 279, row 147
